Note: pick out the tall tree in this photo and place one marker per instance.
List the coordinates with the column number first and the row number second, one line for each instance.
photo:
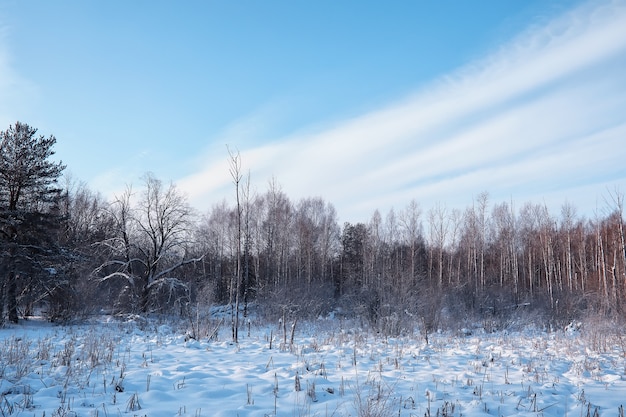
column 235, row 172
column 150, row 245
column 213, row 240
column 277, row 227
column 353, row 242
column 84, row 225
column 29, row 210
column 438, row 227
column 412, row 235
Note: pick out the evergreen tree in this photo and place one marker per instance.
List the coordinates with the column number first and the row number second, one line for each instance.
column 29, row 218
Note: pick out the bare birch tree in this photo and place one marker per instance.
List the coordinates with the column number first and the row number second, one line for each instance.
column 235, row 287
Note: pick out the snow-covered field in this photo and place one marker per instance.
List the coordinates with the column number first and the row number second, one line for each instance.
column 110, row 368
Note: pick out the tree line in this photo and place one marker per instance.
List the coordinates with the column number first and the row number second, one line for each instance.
column 69, row 252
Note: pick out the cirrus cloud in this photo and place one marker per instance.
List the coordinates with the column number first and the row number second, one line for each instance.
column 541, row 118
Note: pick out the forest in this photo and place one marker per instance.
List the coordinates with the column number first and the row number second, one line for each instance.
column 67, row 252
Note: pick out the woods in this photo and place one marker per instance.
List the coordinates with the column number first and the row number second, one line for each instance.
column 69, row 252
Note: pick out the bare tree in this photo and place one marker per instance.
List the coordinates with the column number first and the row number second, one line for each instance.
column 483, row 201
column 84, row 225
column 503, row 227
column 568, row 216
column 316, row 231
column 235, row 172
column 277, row 226
column 438, row 226
column 454, row 261
column 213, row 240
column 149, row 245
column 410, row 219
column 619, row 266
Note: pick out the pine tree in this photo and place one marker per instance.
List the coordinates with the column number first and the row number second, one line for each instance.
column 29, row 216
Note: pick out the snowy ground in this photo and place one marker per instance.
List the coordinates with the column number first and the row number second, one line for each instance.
column 129, row 369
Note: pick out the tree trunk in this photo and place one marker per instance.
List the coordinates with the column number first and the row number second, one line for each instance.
column 12, row 296
column 2, row 299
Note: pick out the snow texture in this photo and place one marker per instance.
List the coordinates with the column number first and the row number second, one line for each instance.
column 144, row 368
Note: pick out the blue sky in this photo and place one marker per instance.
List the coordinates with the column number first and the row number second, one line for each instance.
column 366, row 104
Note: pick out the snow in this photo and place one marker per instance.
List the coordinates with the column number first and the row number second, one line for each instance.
column 149, row 368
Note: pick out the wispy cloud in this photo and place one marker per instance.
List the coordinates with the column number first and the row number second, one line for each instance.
column 542, row 117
